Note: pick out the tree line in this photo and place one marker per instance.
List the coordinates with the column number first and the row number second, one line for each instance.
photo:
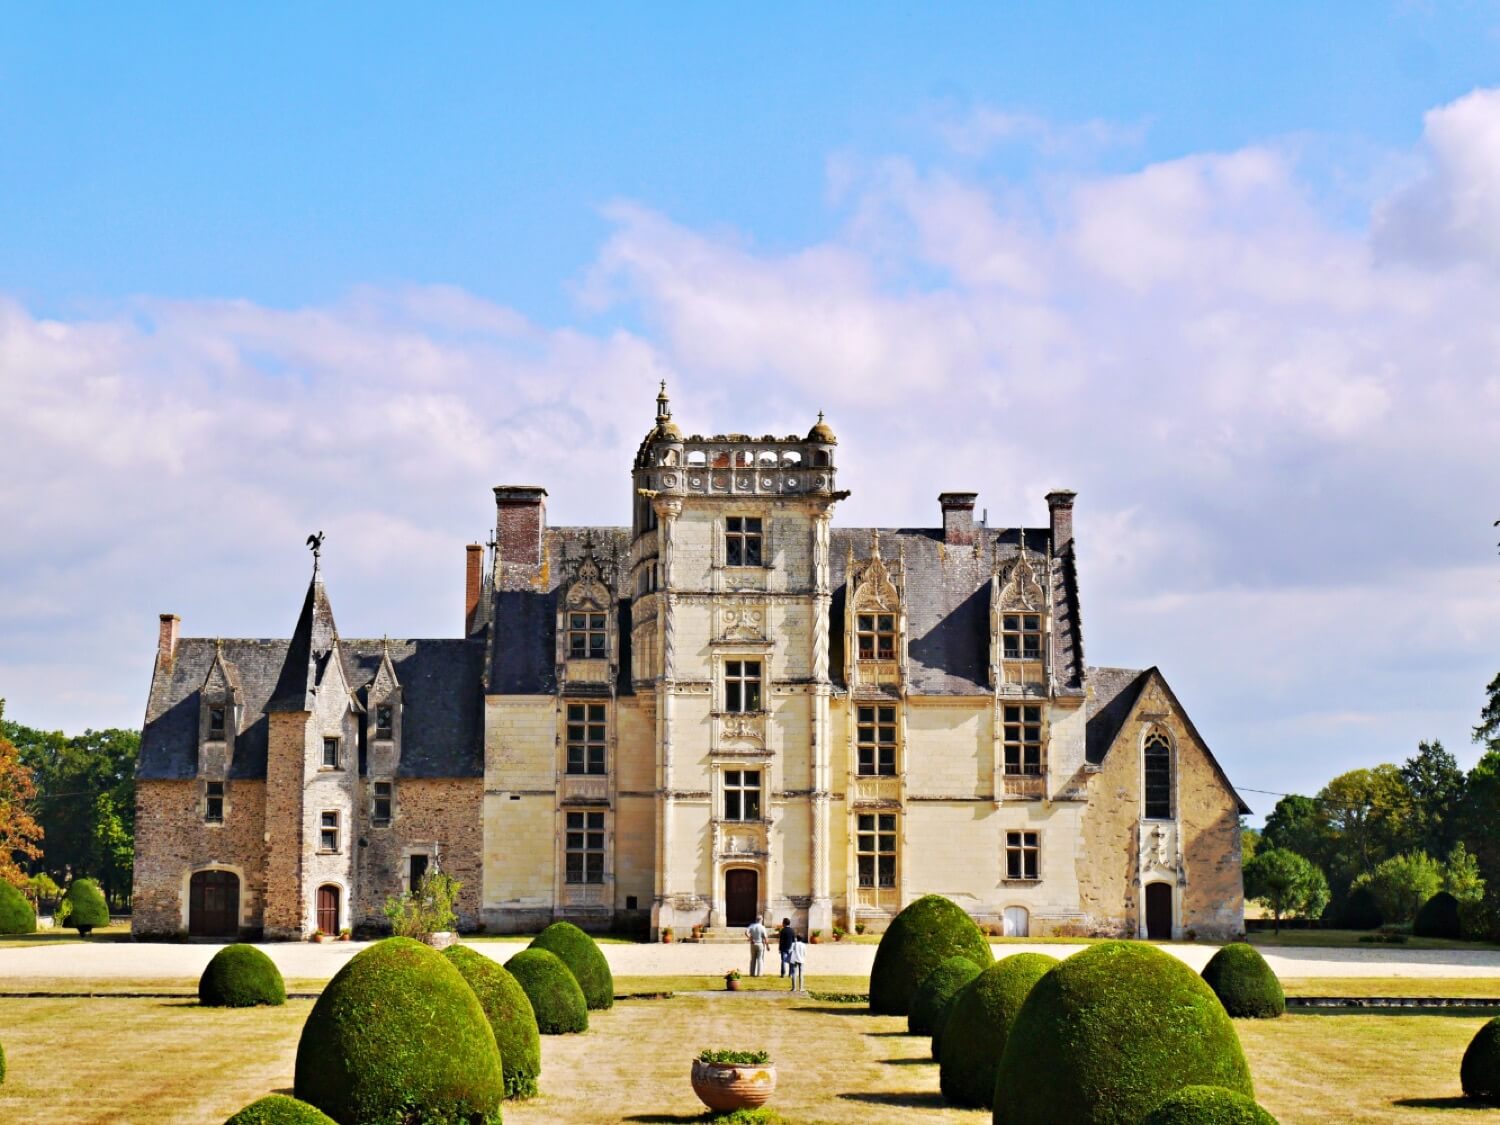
column 1374, row 845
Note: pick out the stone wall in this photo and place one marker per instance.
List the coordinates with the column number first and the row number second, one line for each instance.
column 438, row 817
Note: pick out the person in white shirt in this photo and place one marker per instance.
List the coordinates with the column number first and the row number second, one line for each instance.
column 796, row 958
column 758, row 936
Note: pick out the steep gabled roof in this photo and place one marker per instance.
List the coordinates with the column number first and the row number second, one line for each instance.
column 313, row 640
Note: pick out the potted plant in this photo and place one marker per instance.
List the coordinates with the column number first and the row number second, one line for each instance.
column 666, row 935
column 838, row 933
column 732, row 980
column 345, row 935
column 319, row 936
column 729, row 1080
column 859, row 927
column 816, row 937
column 698, row 931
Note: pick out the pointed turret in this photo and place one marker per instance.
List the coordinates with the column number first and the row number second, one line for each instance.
column 314, row 638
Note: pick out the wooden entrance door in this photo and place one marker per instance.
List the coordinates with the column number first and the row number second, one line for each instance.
column 214, row 904
column 1159, row 911
column 328, row 909
column 741, row 897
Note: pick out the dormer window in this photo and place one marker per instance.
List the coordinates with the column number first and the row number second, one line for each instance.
column 1021, row 636
column 384, row 718
column 588, row 636
column 330, row 753
column 216, row 722
column 877, row 636
column 743, row 540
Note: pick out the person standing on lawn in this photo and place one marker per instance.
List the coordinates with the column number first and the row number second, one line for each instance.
column 795, row 960
column 786, row 937
column 757, row 934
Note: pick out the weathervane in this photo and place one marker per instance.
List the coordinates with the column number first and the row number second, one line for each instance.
column 315, row 542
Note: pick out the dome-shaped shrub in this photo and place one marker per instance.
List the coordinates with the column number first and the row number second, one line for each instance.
column 241, row 976
column 581, row 954
column 1361, row 911
column 1208, row 1105
column 1438, row 918
column 278, row 1109
column 554, row 993
column 1106, row 1036
column 1480, row 1072
column 918, row 940
column 979, row 1022
column 935, row 992
column 511, row 1018
column 1244, row 983
column 16, row 915
column 86, row 908
column 399, row 1036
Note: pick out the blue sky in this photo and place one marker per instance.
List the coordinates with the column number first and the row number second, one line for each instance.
column 1228, row 270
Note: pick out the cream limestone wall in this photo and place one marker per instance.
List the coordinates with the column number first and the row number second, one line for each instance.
column 520, row 804
column 950, row 747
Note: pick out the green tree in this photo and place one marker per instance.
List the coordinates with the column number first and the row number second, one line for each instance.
column 19, row 831
column 1488, row 731
column 1436, row 785
column 1402, row 883
column 1368, row 813
column 1297, row 824
column 1286, row 884
column 1480, row 819
column 1461, row 877
column 1249, row 842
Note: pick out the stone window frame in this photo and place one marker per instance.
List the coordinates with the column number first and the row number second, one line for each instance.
column 876, row 745
column 1155, row 734
column 874, row 842
column 589, row 632
column 325, row 827
column 218, row 719
column 430, row 853
column 1021, row 744
column 222, row 796
column 376, row 820
column 726, row 678
column 585, row 829
column 1020, row 650
column 743, row 536
column 588, row 743
column 338, row 752
column 1022, row 844
column 750, row 798
column 878, row 633
column 386, row 733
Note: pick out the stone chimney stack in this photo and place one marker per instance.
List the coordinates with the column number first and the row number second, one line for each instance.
column 473, row 580
column 1060, row 505
column 520, row 520
column 166, row 639
column 958, row 518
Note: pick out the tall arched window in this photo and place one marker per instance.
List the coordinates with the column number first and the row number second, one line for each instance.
column 1158, row 777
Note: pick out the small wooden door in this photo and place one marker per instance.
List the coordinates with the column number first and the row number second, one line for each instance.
column 214, row 904
column 1159, row 911
column 328, row 909
column 1017, row 922
column 741, row 896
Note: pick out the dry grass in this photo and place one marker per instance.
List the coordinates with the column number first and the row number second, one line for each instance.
column 1349, row 939
column 63, row 936
column 1486, row 987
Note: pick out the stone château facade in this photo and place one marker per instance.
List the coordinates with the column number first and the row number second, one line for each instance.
column 730, row 707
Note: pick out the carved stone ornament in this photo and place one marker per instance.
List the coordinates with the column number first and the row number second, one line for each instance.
column 743, row 623
column 1022, row 589
column 875, row 588
column 744, row 728
column 588, row 587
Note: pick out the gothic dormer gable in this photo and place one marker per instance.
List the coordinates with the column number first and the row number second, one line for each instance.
column 586, row 642
column 382, row 700
column 1020, row 598
column 875, row 630
column 221, row 707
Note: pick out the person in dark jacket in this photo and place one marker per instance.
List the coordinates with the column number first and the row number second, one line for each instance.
column 786, row 937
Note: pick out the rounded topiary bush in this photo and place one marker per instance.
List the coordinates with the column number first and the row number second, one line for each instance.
column 2, row 1062
column 1244, row 983
column 918, row 940
column 1106, row 1036
column 554, row 993
column 278, row 1109
column 398, row 1036
column 85, row 906
column 16, row 915
column 1208, row 1105
column 1438, row 918
column 1480, row 1072
column 511, row 1018
column 979, row 1023
column 1361, row 911
column 581, row 954
column 936, row 991
column 241, row 976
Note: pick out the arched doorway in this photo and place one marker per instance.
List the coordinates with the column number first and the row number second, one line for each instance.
column 1017, row 921
column 328, row 908
column 1159, row 911
column 741, row 896
column 214, row 904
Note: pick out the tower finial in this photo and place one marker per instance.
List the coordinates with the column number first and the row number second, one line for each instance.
column 315, row 543
column 663, row 406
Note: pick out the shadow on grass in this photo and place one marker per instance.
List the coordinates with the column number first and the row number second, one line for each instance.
column 669, row 1118
column 1438, row 1103
column 910, row 1062
column 832, row 1009
column 185, row 1002
column 1428, row 1013
column 914, row 1100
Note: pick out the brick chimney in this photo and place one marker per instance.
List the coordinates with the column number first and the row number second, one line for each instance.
column 520, row 519
column 473, row 580
column 1060, row 505
column 958, row 518
column 166, row 639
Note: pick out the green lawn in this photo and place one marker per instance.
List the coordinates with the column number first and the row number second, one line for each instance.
column 1323, row 939
column 57, row 936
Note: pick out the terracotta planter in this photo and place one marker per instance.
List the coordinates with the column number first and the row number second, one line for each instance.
column 666, row 937
column 320, row 938
column 725, row 1088
column 815, row 939
column 732, row 983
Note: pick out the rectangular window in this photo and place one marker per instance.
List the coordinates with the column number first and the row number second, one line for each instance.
column 328, row 832
column 1020, row 855
column 384, row 717
column 742, row 794
column 216, row 722
column 585, row 847
column 586, row 636
column 417, row 871
column 585, row 738
column 877, row 636
column 380, row 812
column 330, row 753
column 213, row 803
column 1023, row 739
column 742, row 540
column 1021, row 636
column 875, row 848
column 741, row 685
column 876, row 741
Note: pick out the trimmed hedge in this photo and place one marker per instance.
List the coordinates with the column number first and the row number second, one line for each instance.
column 1480, row 1072
column 278, row 1109
column 1108, row 1034
column 979, row 1023
column 398, row 1036
column 16, row 915
column 511, row 1019
column 1208, row 1105
column 929, row 1007
column 2, row 1062
column 581, row 954
column 241, row 976
column 1438, row 918
column 87, row 909
column 1244, row 983
column 553, row 991
column 1361, row 911
column 918, row 940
